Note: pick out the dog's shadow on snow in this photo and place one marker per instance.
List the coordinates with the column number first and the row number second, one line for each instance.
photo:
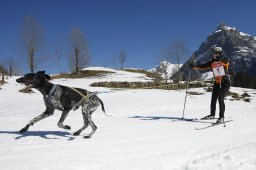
column 42, row 134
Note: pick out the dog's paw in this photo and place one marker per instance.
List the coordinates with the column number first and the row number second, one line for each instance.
column 76, row 133
column 24, row 129
column 67, row 127
column 87, row 137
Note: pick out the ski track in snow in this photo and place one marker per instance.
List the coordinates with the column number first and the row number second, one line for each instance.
column 144, row 131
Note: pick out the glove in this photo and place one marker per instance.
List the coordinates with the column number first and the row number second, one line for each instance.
column 224, row 60
column 191, row 65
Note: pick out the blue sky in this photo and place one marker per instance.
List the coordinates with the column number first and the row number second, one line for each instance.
column 141, row 27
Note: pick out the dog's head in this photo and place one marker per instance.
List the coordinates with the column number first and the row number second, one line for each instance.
column 34, row 80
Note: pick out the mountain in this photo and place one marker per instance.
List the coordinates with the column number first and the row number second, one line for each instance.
column 165, row 68
column 238, row 47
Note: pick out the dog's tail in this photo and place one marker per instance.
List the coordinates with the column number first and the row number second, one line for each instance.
column 102, row 107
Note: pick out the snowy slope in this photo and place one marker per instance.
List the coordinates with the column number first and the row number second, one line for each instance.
column 144, row 132
column 119, row 75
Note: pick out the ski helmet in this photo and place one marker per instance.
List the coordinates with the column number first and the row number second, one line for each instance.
column 217, row 50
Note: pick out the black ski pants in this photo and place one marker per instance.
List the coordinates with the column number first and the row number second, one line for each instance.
column 219, row 92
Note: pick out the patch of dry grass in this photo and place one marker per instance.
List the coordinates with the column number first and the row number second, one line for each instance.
column 194, row 93
column 144, row 85
column 236, row 96
column 26, row 90
column 2, row 82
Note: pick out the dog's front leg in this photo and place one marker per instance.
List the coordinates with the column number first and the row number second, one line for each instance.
column 62, row 118
column 48, row 112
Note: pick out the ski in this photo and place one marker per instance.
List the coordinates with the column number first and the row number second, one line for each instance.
column 197, row 121
column 213, row 124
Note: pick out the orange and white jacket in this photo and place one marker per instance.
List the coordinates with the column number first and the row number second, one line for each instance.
column 218, row 66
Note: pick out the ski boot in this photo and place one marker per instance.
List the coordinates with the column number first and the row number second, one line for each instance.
column 220, row 120
column 208, row 117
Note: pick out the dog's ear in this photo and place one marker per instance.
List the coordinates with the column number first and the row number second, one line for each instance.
column 40, row 72
column 47, row 76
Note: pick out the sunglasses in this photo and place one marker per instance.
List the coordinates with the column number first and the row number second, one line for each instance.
column 216, row 53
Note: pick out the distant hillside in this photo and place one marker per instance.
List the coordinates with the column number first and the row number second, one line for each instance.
column 165, row 69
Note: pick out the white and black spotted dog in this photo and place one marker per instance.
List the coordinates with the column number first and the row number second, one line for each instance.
column 62, row 98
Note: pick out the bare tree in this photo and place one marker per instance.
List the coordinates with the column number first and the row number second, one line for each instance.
column 122, row 57
column 59, row 52
column 9, row 66
column 175, row 52
column 31, row 42
column 162, row 55
column 14, row 67
column 79, row 50
column 2, row 71
column 178, row 51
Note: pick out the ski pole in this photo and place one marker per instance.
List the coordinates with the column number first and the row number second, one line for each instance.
column 222, row 106
column 186, row 93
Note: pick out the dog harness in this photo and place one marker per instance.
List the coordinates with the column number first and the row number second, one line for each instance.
column 53, row 98
column 84, row 98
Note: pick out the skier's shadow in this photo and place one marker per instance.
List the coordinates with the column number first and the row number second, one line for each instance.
column 159, row 118
column 173, row 119
column 42, row 134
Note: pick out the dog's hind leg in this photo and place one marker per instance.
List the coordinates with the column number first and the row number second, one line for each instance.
column 62, row 118
column 48, row 112
column 93, row 126
column 86, row 123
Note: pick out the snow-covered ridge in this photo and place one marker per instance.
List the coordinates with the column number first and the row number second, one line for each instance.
column 226, row 28
column 244, row 34
column 244, row 50
column 165, row 69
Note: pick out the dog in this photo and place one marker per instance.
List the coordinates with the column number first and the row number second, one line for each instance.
column 64, row 99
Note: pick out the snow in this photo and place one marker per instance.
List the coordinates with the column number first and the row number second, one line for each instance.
column 165, row 67
column 227, row 28
column 244, row 34
column 244, row 49
column 145, row 131
column 119, row 75
column 207, row 75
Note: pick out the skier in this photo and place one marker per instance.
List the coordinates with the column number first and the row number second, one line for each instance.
column 219, row 66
